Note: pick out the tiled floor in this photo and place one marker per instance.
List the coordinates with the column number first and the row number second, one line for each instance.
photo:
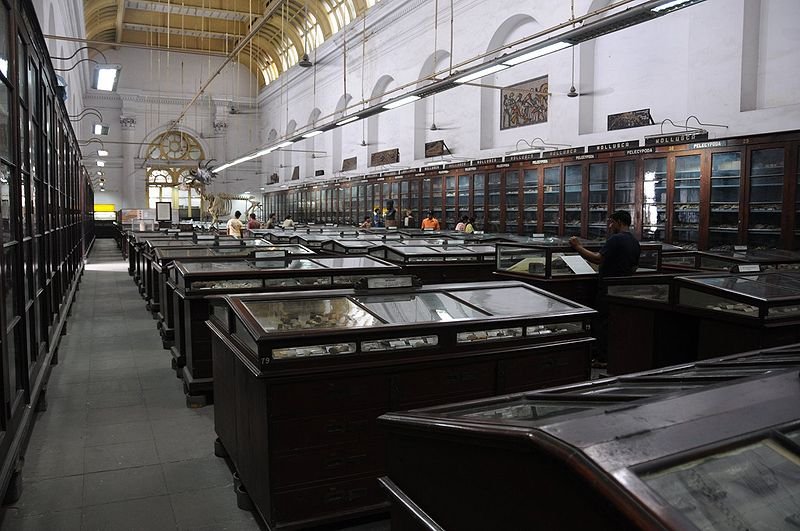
column 117, row 448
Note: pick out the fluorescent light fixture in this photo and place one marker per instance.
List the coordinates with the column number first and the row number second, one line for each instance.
column 481, row 73
column 283, row 144
column 106, row 77
column 102, row 153
column 99, row 173
column 669, row 5
column 312, row 134
column 537, row 53
column 100, row 163
column 224, row 166
column 527, row 151
column 348, row 120
column 264, row 152
column 100, row 129
column 400, row 102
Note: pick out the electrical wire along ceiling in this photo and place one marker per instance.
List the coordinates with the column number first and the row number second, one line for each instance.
column 215, row 27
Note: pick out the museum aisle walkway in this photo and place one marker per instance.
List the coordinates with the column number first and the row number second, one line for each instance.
column 117, row 448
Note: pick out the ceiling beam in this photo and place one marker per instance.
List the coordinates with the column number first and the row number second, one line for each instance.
column 120, row 17
column 190, row 11
column 181, row 31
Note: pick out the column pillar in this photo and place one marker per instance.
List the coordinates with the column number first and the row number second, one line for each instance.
column 128, row 187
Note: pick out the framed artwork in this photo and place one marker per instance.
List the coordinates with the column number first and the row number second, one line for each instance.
column 524, row 103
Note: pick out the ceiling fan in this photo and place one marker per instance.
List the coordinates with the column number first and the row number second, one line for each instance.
column 573, row 92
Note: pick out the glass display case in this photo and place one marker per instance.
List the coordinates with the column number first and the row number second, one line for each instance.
column 598, row 200
column 770, row 296
column 654, row 450
column 725, row 196
column 436, row 261
column 654, row 200
column 351, row 246
column 552, row 201
column 573, row 200
column 192, row 283
column 625, row 188
column 686, row 202
column 320, row 367
column 766, row 197
column 530, row 197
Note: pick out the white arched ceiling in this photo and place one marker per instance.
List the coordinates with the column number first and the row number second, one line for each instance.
column 373, row 122
column 490, row 99
column 424, row 109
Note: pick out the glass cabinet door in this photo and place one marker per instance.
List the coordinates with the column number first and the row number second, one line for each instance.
column 512, row 201
column 573, row 200
column 478, row 200
column 530, row 194
column 552, row 198
column 723, row 226
column 413, row 202
column 766, row 197
column 436, row 197
column 493, row 190
column 425, row 193
column 625, row 186
column 797, row 206
column 654, row 204
column 449, row 203
column 598, row 200
column 463, row 197
column 686, row 202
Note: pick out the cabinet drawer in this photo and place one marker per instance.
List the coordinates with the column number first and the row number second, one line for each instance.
column 327, row 396
column 432, row 385
column 292, row 435
column 544, row 368
column 313, row 502
column 345, row 460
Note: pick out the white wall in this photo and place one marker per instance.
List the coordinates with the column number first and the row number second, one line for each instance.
column 692, row 62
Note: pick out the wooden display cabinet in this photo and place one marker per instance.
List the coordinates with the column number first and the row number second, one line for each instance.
column 299, row 381
column 164, row 261
column 194, row 283
column 711, row 445
column 700, row 195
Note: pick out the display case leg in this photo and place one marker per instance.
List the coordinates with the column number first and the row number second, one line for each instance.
column 14, row 491
column 41, row 403
column 219, row 449
column 54, row 359
column 196, row 401
column 237, row 481
column 243, row 500
column 64, row 329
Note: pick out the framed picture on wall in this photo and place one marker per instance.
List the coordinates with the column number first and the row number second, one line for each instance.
column 524, row 103
column 163, row 211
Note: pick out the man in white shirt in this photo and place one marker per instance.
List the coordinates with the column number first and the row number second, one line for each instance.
column 235, row 225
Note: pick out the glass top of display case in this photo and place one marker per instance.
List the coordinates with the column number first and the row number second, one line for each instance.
column 433, row 304
column 765, row 286
column 758, row 255
column 318, row 262
column 355, row 243
column 528, row 410
column 750, row 487
column 307, row 314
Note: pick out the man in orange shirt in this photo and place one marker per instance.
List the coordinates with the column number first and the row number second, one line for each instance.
column 430, row 222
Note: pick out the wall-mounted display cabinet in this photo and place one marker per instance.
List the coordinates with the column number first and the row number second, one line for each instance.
column 46, row 228
column 701, row 195
column 701, row 446
column 300, row 379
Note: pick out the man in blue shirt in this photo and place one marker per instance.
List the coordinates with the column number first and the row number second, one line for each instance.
column 618, row 257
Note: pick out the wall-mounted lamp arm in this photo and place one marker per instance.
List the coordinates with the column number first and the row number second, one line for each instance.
column 84, row 114
column 78, row 50
column 76, row 64
column 701, row 123
column 90, row 140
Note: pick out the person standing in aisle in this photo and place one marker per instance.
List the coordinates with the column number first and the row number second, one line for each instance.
column 288, row 222
column 377, row 221
column 253, row 223
column 618, row 257
column 391, row 214
column 430, row 223
column 461, row 226
column 235, row 225
column 271, row 222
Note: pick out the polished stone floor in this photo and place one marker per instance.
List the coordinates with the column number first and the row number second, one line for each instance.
column 117, row 448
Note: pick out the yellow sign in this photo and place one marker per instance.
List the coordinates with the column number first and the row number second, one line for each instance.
column 105, row 207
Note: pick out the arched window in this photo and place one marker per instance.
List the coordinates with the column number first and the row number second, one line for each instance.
column 174, row 154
